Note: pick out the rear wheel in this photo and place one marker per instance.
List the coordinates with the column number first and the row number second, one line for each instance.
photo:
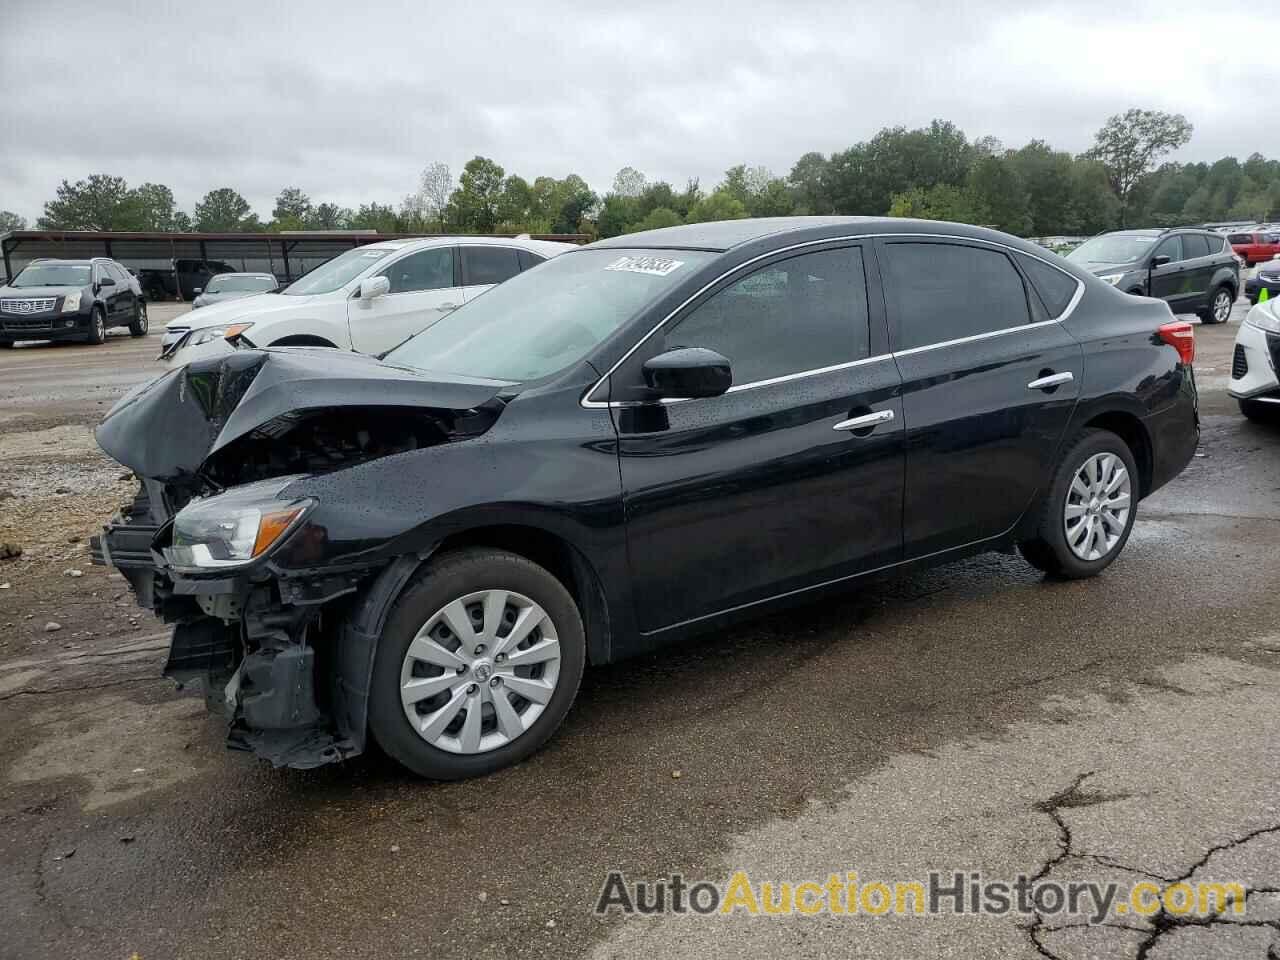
column 1260, row 412
column 1219, row 308
column 1090, row 508
column 477, row 666
column 139, row 326
column 6, row 344
column 97, row 326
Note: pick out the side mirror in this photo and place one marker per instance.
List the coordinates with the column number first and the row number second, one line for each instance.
column 687, row 373
column 371, row 287
column 1161, row 260
column 106, row 282
column 197, row 290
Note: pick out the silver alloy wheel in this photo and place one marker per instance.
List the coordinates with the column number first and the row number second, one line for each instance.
column 480, row 671
column 1097, row 508
column 142, row 317
column 1221, row 306
column 100, row 325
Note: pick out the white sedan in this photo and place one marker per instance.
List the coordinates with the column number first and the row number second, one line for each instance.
column 368, row 299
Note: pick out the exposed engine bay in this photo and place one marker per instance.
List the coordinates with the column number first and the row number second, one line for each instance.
column 258, row 637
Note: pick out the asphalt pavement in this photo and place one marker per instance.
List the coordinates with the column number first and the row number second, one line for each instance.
column 974, row 718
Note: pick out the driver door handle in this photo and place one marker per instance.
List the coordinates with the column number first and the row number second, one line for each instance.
column 1051, row 381
column 865, row 421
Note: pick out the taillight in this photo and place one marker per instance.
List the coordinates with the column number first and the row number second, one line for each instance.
column 1182, row 337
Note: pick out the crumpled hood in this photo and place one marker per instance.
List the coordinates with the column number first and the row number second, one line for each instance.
column 167, row 428
column 245, row 308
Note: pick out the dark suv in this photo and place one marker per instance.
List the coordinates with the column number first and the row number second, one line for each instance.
column 71, row 300
column 1194, row 271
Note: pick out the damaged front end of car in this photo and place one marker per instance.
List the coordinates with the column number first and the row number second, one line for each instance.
column 277, row 623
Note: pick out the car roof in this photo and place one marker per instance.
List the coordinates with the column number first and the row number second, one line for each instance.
column 524, row 243
column 245, row 273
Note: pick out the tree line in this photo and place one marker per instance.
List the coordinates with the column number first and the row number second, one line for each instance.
column 934, row 172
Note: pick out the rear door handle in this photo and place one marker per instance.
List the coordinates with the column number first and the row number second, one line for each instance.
column 865, row 421
column 1051, row 381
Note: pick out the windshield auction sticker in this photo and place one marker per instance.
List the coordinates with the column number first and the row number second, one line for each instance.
column 654, row 266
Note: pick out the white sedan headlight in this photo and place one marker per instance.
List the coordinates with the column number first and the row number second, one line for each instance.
column 209, row 334
column 234, row 528
column 1264, row 317
column 71, row 303
column 1111, row 278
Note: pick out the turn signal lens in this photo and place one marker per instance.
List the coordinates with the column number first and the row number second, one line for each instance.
column 235, row 330
column 1182, row 337
column 271, row 526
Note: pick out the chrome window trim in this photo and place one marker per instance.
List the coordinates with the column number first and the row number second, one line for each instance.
column 590, row 404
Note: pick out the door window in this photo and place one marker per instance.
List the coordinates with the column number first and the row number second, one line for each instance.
column 944, row 291
column 1171, row 248
column 425, row 270
column 528, row 259
column 486, row 265
column 1194, row 245
column 804, row 313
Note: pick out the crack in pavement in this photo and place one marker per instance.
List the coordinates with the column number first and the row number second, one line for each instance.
column 79, row 689
column 1162, row 922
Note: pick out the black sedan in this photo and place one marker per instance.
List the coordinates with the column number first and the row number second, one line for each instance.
column 642, row 439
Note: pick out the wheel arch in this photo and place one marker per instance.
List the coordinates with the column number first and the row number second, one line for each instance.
column 301, row 340
column 562, row 560
column 1133, row 432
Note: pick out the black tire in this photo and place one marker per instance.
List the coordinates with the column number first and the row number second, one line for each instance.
column 97, row 327
column 6, row 344
column 1048, row 550
column 442, row 580
column 139, row 326
column 1209, row 314
column 1260, row 412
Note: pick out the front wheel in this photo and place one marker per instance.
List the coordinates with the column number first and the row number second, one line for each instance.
column 97, row 326
column 138, row 328
column 1090, row 508
column 1219, row 308
column 478, row 664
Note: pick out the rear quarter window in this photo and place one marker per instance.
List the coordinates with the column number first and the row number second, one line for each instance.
column 1240, row 238
column 1055, row 287
column 1194, row 245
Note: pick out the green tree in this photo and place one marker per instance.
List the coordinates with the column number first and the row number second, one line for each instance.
column 474, row 205
column 658, row 218
column 329, row 216
column 292, row 211
column 809, row 182
column 376, row 216
column 998, row 192
column 628, row 182
column 618, row 215
column 1129, row 144
column 720, row 205
column 224, row 211
column 942, row 201
column 10, row 221
column 149, row 207
column 100, row 202
column 1046, row 175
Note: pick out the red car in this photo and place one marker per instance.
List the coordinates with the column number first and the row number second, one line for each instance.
column 1255, row 247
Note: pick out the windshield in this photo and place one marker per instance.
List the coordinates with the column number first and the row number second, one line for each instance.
column 239, row 284
column 332, row 274
column 1112, row 248
column 53, row 275
column 549, row 317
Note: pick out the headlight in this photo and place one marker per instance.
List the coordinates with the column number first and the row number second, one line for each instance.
column 71, row 303
column 217, row 333
column 234, row 528
column 1263, row 317
column 1112, row 278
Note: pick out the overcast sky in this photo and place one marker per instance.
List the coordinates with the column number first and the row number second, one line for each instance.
column 349, row 100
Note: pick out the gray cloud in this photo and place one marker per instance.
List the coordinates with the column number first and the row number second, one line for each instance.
column 350, row 100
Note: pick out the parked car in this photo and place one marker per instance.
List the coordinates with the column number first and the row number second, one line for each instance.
column 1255, row 247
column 641, row 439
column 1255, row 361
column 368, row 299
column 233, row 286
column 1267, row 278
column 1194, row 271
column 182, row 278
column 71, row 300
